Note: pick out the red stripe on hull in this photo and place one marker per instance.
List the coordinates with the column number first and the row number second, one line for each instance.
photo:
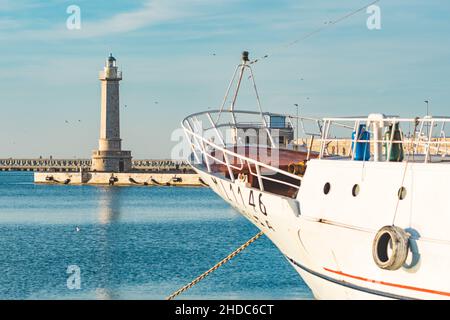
column 443, row 293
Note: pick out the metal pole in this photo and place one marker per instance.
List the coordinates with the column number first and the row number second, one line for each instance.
column 297, row 127
column 428, row 125
column 245, row 59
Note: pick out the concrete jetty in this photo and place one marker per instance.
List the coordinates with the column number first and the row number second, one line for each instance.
column 145, row 172
column 119, row 179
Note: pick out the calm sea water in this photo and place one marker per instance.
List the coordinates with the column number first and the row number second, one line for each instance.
column 132, row 243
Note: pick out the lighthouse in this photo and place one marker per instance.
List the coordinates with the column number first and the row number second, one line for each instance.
column 110, row 157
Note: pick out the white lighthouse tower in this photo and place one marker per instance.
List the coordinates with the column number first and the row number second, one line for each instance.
column 110, row 157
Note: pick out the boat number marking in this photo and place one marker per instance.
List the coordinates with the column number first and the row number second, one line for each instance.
column 242, row 198
column 232, row 191
column 262, row 207
column 269, row 226
column 251, row 202
column 225, row 191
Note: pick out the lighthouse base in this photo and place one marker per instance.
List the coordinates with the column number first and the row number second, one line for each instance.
column 111, row 161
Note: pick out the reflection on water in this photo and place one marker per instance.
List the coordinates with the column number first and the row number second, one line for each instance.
column 109, row 204
column 132, row 243
column 106, row 294
column 109, row 212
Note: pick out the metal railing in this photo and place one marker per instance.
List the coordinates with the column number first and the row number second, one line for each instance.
column 418, row 139
column 110, row 75
column 38, row 164
column 205, row 149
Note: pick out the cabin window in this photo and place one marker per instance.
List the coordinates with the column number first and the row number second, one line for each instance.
column 326, row 188
column 355, row 190
column 402, row 193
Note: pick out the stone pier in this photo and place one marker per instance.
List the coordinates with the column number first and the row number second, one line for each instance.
column 119, row 179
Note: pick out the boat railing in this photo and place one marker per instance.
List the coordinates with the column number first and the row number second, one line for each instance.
column 212, row 143
column 388, row 138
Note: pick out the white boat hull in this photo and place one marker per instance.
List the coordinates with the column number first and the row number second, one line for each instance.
column 333, row 258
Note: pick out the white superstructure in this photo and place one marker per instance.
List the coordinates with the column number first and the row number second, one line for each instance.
column 373, row 223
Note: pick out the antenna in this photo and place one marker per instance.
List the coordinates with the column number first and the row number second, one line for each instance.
column 243, row 64
column 428, row 114
column 241, row 69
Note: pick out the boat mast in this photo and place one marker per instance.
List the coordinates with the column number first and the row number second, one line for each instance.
column 243, row 65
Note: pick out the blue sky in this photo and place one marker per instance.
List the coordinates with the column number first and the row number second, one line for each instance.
column 165, row 49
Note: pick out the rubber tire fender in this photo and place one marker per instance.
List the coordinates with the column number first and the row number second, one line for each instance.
column 399, row 240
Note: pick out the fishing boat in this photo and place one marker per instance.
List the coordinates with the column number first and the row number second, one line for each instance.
column 368, row 222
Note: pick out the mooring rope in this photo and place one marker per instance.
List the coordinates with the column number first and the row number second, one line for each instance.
column 217, row 266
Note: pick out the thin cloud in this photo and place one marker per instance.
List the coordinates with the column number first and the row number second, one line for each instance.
column 9, row 24
column 150, row 13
